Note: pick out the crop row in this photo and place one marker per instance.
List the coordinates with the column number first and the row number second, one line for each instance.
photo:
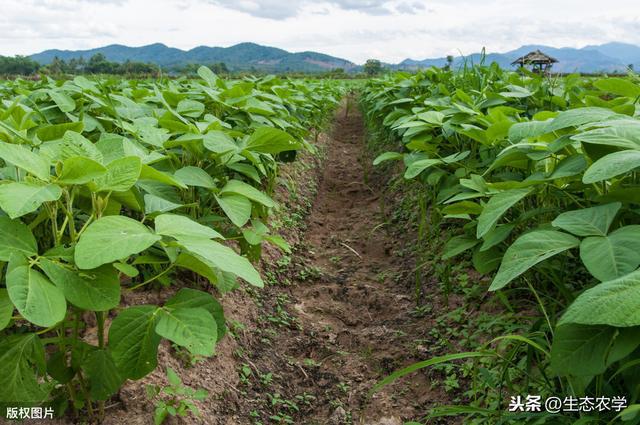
column 109, row 185
column 538, row 177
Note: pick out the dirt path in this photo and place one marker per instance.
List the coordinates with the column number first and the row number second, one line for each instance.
column 353, row 321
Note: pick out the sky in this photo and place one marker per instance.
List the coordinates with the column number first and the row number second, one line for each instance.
column 389, row 30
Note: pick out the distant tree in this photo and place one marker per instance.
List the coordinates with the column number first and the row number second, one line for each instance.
column 372, row 67
column 98, row 64
column 18, row 65
column 57, row 67
column 631, row 67
column 449, row 62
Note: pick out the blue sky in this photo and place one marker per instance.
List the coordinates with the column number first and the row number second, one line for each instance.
column 390, row 30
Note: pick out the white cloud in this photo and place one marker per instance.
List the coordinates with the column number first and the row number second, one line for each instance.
column 354, row 29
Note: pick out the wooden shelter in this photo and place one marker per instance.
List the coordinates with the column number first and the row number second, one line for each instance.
column 540, row 63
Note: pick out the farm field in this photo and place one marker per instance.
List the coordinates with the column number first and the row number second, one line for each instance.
column 436, row 247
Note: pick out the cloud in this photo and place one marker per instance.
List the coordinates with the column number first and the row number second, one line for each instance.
column 277, row 9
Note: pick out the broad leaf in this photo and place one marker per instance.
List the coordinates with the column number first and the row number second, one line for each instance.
column 195, row 176
column 613, row 303
column 612, row 165
column 6, row 308
column 112, row 238
column 457, row 245
column 15, row 236
column 529, row 250
column 21, row 356
column 80, row 170
column 134, row 342
column 121, row 175
column 22, row 157
column 192, row 298
column 178, row 226
column 272, row 140
column 496, row 207
column 18, row 199
column 580, row 350
column 594, row 221
column 104, row 377
column 37, row 299
column 612, row 256
column 224, row 258
column 237, row 187
column 192, row 328
column 95, row 290
column 236, row 207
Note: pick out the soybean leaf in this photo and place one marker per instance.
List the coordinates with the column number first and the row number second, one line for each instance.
column 594, row 221
column 529, row 250
column 120, row 176
column 236, row 207
column 580, row 350
column 579, row 116
column 219, row 142
column 238, row 187
column 80, row 170
column 417, row 167
column 178, row 226
column 192, row 298
column 35, row 297
column 618, row 86
column 15, row 236
column 224, row 258
column 112, row 238
column 272, row 140
column 18, row 199
column 150, row 173
column 613, row 303
column 62, row 100
column 195, row 176
column 96, row 290
column 6, row 308
column 134, row 342
column 496, row 207
column 192, row 328
column 612, row 256
column 21, row 356
column 612, row 165
column 457, row 245
column 23, row 158
column 104, row 377
column 386, row 157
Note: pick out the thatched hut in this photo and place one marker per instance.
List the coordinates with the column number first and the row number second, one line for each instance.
column 540, row 63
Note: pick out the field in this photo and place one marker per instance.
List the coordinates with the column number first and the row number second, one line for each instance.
column 438, row 247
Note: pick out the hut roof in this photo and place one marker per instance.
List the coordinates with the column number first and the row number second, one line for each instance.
column 535, row 58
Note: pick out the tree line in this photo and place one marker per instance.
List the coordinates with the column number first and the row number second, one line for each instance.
column 96, row 64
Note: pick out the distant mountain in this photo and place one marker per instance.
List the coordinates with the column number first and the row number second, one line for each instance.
column 610, row 57
column 241, row 57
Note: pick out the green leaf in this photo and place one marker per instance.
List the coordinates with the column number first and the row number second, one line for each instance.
column 23, row 158
column 612, row 165
column 21, row 356
column 594, row 221
column 496, row 207
column 190, row 108
column 194, row 176
column 104, row 377
column 486, row 261
column 110, row 239
column 18, row 199
column 580, row 350
column 529, row 250
column 121, row 175
column 156, row 204
column 134, row 341
column 79, row 170
column 95, row 290
column 526, row 129
column 55, row 131
column 386, row 157
column 236, row 207
column 620, row 133
column 224, row 258
column 618, row 86
column 192, row 298
column 237, row 187
column 417, row 167
column 219, row 142
column 6, row 308
column 192, row 328
column 495, row 236
column 15, row 236
column 579, row 116
column 149, row 173
column 178, row 226
column 613, row 303
column 272, row 140
column 208, row 75
column 612, row 256
column 37, row 299
column 62, row 100
column 457, row 245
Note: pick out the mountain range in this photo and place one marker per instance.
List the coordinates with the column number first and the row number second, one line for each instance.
column 610, row 57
